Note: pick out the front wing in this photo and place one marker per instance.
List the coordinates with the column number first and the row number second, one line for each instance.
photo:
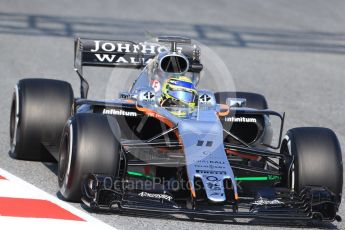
column 312, row 203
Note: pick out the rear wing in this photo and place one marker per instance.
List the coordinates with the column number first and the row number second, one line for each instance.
column 127, row 54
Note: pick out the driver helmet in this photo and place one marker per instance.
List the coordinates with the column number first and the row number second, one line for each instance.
column 179, row 96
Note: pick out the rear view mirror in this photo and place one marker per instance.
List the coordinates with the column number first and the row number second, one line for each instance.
column 236, row 102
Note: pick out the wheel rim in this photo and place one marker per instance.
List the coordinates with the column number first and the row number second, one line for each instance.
column 14, row 120
column 64, row 149
column 292, row 178
column 65, row 158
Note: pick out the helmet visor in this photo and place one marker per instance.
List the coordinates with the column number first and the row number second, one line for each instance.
column 182, row 95
column 188, row 85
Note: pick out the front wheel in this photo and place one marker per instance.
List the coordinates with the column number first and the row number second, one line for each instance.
column 90, row 144
column 317, row 159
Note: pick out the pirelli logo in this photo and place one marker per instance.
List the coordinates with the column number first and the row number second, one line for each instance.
column 211, row 172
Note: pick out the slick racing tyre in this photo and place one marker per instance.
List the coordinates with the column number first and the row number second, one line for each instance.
column 254, row 100
column 317, row 159
column 90, row 144
column 39, row 111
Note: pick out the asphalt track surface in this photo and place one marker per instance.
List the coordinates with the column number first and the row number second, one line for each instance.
column 293, row 52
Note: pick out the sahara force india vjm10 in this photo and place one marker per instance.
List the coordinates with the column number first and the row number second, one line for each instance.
column 168, row 147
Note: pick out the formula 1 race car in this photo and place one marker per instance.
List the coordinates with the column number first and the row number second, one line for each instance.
column 168, row 147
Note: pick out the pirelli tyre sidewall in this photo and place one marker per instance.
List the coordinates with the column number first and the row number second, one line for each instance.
column 317, row 159
column 39, row 111
column 90, row 144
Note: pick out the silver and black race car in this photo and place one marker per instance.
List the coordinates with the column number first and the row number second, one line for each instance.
column 214, row 160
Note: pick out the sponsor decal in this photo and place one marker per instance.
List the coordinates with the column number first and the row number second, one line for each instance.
column 149, row 96
column 273, row 177
column 155, row 115
column 217, row 194
column 211, row 172
column 156, row 85
column 134, row 51
column 211, row 162
column 212, row 178
column 217, row 162
column 120, row 112
column 123, row 47
column 209, row 166
column 240, row 119
column 112, row 58
column 262, row 201
column 213, row 186
column 156, row 196
column 204, row 98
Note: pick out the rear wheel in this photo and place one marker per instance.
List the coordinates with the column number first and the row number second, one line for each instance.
column 90, row 144
column 317, row 159
column 39, row 111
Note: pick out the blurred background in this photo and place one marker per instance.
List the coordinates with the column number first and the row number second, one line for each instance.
column 293, row 52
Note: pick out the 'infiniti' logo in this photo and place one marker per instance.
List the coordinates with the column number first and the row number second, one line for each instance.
column 119, row 112
column 240, row 119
